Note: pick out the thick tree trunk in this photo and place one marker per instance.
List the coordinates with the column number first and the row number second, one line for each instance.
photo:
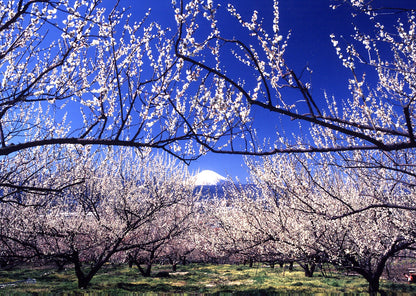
column 130, row 260
column 85, row 278
column 373, row 286
column 83, row 282
column 144, row 271
column 309, row 268
column 372, row 277
column 147, row 271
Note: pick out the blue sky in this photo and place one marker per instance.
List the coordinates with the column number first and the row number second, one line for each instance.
column 310, row 23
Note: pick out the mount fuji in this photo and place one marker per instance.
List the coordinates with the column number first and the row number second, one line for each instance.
column 210, row 184
column 208, row 178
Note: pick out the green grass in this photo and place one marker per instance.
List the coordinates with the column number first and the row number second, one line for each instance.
column 191, row 279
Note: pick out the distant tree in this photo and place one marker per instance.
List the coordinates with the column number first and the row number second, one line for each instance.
column 173, row 188
column 284, row 234
column 180, row 250
column 233, row 229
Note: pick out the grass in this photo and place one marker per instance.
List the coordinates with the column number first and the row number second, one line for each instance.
column 191, row 279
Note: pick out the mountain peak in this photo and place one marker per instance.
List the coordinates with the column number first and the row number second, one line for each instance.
column 207, row 178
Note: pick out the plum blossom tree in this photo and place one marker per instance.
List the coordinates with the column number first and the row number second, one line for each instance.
column 76, row 73
column 235, row 227
column 172, row 222
column 340, row 212
column 88, row 223
column 378, row 116
column 30, row 186
column 286, row 234
column 137, row 84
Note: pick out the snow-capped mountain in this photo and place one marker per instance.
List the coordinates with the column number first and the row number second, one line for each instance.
column 210, row 184
column 208, row 178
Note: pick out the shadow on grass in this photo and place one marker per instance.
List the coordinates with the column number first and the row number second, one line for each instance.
column 164, row 288
column 158, row 288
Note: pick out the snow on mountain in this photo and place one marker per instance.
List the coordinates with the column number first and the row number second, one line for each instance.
column 208, row 178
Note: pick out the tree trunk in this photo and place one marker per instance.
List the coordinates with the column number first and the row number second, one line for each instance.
column 85, row 278
column 374, row 287
column 373, row 278
column 173, row 263
column 145, row 272
column 148, row 269
column 60, row 265
column 309, row 269
column 83, row 282
column 183, row 260
column 130, row 260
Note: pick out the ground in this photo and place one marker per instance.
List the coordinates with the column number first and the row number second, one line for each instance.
column 238, row 279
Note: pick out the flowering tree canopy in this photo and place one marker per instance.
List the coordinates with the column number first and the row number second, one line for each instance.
column 354, row 217
column 378, row 115
column 74, row 72
column 127, row 202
